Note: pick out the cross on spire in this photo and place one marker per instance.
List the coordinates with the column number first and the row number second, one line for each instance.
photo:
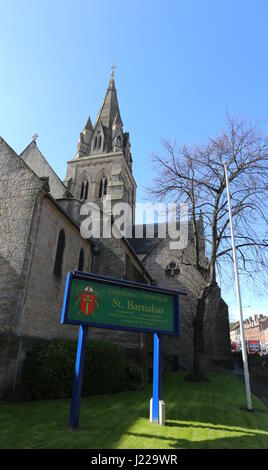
column 113, row 67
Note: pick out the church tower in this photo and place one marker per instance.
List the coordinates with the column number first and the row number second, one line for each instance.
column 103, row 162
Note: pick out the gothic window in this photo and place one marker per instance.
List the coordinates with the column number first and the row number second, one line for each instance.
column 99, row 144
column 103, row 187
column 84, row 190
column 59, row 254
column 81, row 260
column 100, row 190
column 95, row 142
column 172, row 269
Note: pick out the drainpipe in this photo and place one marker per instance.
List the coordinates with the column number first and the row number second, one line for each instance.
column 95, row 252
column 20, row 348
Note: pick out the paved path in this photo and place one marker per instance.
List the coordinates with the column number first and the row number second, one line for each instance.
column 258, row 385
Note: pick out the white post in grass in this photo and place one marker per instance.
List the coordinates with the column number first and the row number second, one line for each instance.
column 244, row 352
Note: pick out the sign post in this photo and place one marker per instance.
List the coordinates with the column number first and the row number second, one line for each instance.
column 157, row 378
column 104, row 302
column 78, row 377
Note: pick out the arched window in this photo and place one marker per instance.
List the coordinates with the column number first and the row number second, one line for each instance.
column 82, row 191
column 103, row 187
column 99, row 144
column 59, row 254
column 100, row 190
column 86, row 191
column 81, row 260
column 95, row 142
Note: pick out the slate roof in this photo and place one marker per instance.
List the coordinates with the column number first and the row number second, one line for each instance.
column 145, row 245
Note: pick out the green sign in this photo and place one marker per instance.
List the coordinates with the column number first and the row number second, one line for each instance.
column 109, row 303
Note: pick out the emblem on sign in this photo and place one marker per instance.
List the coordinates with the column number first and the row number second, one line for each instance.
column 88, row 301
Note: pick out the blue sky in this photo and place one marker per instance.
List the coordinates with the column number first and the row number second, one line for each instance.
column 180, row 65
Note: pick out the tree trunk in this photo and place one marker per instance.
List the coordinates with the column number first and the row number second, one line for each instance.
column 197, row 374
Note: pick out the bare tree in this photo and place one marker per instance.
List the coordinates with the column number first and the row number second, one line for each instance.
column 196, row 176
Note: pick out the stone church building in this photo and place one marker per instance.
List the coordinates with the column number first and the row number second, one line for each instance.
column 40, row 242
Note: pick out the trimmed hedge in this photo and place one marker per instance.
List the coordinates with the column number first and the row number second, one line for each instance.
column 48, row 370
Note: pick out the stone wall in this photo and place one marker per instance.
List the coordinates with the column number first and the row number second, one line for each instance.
column 181, row 346
column 19, row 188
column 40, row 303
column 18, row 192
column 216, row 321
column 45, row 291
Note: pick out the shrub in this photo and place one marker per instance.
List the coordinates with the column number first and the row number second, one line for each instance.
column 48, row 370
column 133, row 376
column 264, row 361
column 237, row 358
column 254, row 360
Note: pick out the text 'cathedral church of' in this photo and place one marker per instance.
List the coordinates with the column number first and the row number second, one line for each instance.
column 40, row 242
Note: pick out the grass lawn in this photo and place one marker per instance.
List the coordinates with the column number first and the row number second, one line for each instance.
column 198, row 416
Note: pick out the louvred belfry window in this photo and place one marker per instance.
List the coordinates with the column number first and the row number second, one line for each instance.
column 84, row 190
column 103, row 187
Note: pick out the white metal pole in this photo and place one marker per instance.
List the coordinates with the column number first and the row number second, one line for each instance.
column 243, row 343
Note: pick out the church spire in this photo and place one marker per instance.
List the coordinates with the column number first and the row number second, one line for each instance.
column 107, row 134
column 110, row 107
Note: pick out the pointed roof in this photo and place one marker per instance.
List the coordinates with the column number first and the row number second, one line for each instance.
column 88, row 125
column 109, row 108
column 35, row 160
column 20, row 167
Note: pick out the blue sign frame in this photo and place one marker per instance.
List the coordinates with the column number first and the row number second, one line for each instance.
column 119, row 283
